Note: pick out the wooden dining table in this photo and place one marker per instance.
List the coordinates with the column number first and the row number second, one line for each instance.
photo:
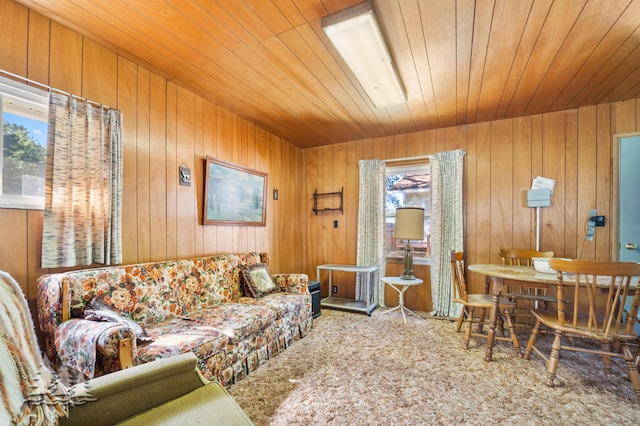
column 522, row 276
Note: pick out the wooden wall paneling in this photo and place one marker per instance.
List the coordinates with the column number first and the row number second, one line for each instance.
column 66, row 60
column 522, row 179
column 34, row 256
column 248, row 138
column 210, row 149
column 624, row 117
column 276, row 216
column 571, row 214
column 350, row 218
column 604, row 181
column 197, row 171
column 553, row 150
column 127, row 104
column 262, row 163
column 325, row 174
column 13, row 255
column 99, row 74
column 470, row 198
column 172, row 171
column 143, row 171
column 224, row 234
column 14, row 33
column 311, row 245
column 158, row 193
column 185, row 126
column 339, row 234
column 536, row 169
column 484, row 205
column 38, row 48
column 502, row 171
column 586, row 178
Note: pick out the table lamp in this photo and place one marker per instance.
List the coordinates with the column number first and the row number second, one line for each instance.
column 409, row 226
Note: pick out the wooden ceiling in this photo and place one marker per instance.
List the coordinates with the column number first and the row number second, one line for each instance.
column 461, row 61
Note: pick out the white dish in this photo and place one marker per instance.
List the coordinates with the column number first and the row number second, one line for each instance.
column 542, row 265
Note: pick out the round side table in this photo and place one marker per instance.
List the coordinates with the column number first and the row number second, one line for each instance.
column 401, row 285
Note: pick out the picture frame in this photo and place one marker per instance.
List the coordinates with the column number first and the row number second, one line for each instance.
column 233, row 194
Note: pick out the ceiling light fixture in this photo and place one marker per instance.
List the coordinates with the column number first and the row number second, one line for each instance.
column 356, row 35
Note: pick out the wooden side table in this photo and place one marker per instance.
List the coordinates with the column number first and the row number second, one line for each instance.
column 401, row 285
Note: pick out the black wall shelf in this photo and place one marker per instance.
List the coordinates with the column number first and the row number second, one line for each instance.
column 317, row 194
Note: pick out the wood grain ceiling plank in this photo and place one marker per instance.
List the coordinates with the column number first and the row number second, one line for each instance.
column 589, row 30
column 439, row 29
column 410, row 11
column 558, row 24
column 333, row 6
column 247, row 18
column 291, row 12
column 100, row 26
column 618, row 82
column 481, row 30
column 310, row 9
column 507, row 27
column 465, row 12
column 269, row 13
column 602, row 55
column 288, row 73
column 535, row 21
column 316, row 78
column 335, row 80
column 168, row 25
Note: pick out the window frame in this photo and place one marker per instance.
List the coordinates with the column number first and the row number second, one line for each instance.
column 28, row 98
column 406, row 169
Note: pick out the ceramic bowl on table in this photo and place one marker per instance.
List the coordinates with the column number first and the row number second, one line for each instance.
column 541, row 264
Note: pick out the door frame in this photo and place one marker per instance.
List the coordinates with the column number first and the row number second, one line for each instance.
column 615, row 190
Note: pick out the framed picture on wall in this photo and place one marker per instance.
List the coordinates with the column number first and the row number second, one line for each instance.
column 233, row 194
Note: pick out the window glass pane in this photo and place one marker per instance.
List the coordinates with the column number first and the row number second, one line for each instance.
column 23, row 146
column 408, row 186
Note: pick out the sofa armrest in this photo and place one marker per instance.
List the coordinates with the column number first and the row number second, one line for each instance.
column 125, row 393
column 292, row 283
column 80, row 343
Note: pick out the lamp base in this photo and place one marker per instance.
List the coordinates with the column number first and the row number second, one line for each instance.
column 408, row 263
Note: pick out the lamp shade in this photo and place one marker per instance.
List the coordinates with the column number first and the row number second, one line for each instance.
column 409, row 224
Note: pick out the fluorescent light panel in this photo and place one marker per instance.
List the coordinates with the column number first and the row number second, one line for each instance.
column 356, row 35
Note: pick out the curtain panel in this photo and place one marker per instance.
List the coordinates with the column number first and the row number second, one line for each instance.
column 371, row 222
column 83, row 186
column 447, row 227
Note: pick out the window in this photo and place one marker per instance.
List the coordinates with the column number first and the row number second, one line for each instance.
column 408, row 186
column 23, row 153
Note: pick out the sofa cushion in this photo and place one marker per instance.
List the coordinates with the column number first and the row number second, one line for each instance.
column 257, row 281
column 180, row 335
column 283, row 304
column 237, row 321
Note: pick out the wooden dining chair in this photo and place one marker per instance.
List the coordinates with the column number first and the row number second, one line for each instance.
column 597, row 314
column 477, row 302
column 523, row 257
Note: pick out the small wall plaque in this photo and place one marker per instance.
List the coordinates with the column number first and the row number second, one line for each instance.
column 185, row 175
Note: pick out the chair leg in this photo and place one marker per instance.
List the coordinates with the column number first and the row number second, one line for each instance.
column 532, row 340
column 467, row 330
column 606, row 360
column 483, row 313
column 553, row 359
column 512, row 332
column 632, row 370
column 461, row 319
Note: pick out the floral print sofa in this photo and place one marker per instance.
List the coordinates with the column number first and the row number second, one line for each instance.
column 196, row 305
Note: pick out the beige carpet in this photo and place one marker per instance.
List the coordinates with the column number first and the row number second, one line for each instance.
column 358, row 370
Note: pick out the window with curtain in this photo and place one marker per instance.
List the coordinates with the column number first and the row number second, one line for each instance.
column 23, row 147
column 83, row 186
column 408, row 186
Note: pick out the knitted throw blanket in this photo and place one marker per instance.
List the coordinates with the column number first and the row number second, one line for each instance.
column 30, row 393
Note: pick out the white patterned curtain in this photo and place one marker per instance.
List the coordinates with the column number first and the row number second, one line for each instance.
column 83, row 187
column 447, row 227
column 371, row 211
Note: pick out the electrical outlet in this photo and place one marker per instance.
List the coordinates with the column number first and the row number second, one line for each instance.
column 335, row 289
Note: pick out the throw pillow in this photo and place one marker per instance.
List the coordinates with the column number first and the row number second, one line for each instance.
column 257, row 281
column 98, row 311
